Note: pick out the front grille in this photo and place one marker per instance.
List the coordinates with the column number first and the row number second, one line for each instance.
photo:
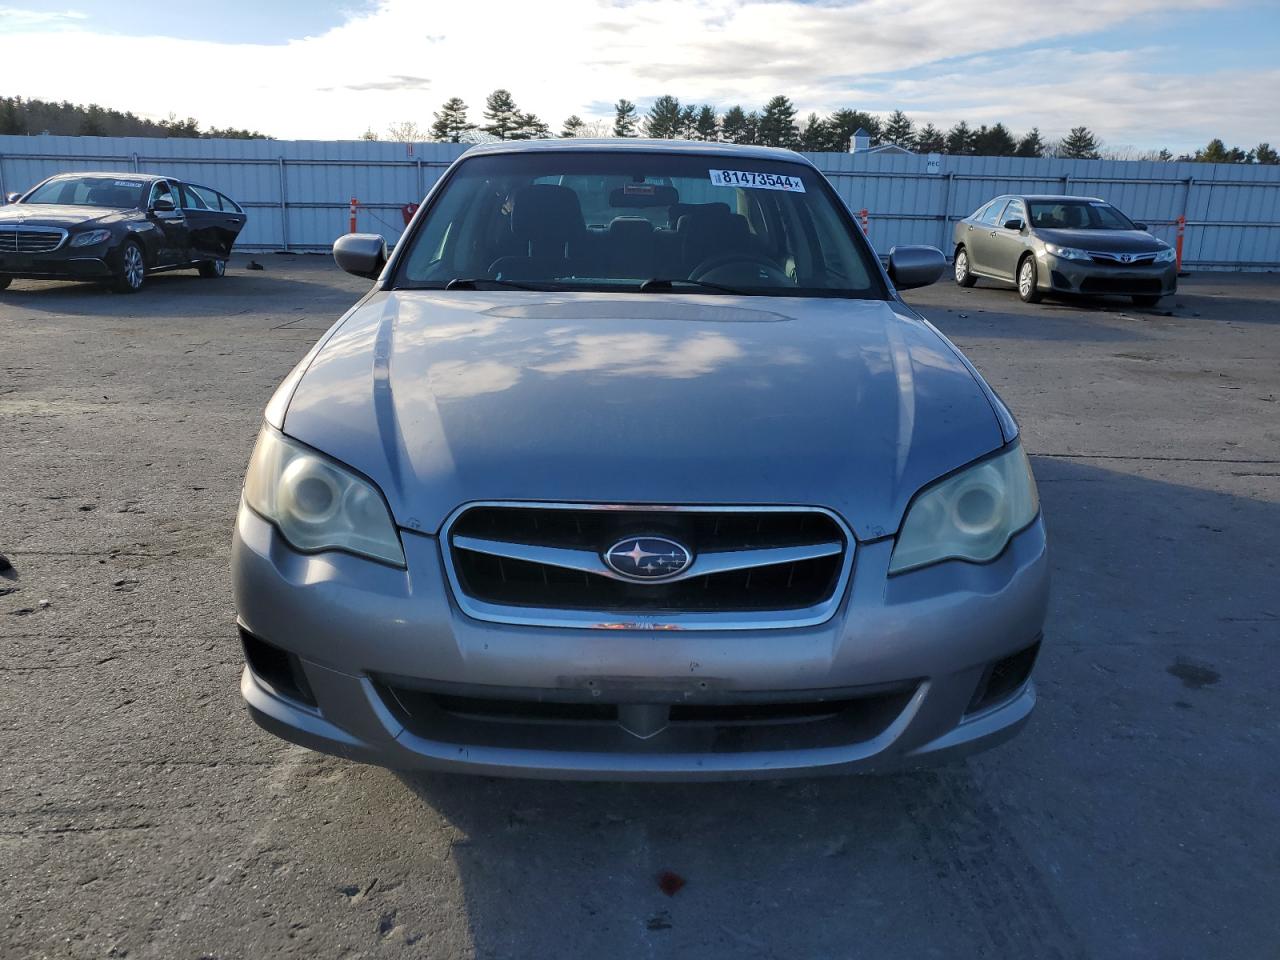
column 23, row 239
column 1138, row 285
column 544, row 565
column 1115, row 260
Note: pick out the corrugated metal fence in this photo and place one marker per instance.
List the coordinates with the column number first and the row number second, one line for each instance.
column 298, row 193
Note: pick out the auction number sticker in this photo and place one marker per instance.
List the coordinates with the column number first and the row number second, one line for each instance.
column 761, row 181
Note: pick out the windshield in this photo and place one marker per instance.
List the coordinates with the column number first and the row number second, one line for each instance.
column 639, row 222
column 119, row 192
column 1078, row 215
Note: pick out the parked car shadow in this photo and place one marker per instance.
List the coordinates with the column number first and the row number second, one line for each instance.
column 1161, row 649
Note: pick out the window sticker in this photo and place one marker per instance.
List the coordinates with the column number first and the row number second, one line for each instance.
column 127, row 183
column 760, row 181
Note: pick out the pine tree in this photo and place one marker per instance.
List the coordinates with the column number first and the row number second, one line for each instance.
column 778, row 124
column 663, row 121
column 688, row 123
column 960, row 139
column 573, row 127
column 11, row 121
column 529, row 127
column 1079, row 144
column 814, row 135
column 625, row 120
column 734, row 127
column 705, row 127
column 500, row 110
column 930, row 139
column 844, row 123
column 1264, row 153
column 1031, row 144
column 369, row 134
column 994, row 141
column 451, row 122
column 898, row 129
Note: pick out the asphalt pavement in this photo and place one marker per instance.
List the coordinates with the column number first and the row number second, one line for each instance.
column 143, row 815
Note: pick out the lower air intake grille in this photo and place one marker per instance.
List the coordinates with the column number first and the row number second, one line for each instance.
column 546, row 565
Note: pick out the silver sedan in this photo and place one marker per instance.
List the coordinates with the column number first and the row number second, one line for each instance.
column 633, row 464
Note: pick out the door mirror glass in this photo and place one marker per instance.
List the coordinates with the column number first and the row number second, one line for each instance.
column 1013, row 224
column 1139, row 226
column 361, row 254
column 11, row 197
column 915, row 266
column 163, row 205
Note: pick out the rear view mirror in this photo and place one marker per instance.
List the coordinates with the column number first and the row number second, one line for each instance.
column 915, row 266
column 635, row 196
column 1014, row 224
column 163, row 205
column 361, row 254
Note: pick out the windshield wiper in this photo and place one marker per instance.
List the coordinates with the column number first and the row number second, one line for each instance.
column 471, row 283
column 657, row 284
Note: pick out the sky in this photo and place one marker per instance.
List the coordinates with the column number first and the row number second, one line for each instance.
column 1142, row 74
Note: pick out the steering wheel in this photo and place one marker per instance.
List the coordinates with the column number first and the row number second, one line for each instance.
column 719, row 261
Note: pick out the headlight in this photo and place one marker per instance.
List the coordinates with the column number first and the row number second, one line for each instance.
column 969, row 516
column 1167, row 255
column 316, row 504
column 90, row 238
column 1067, row 253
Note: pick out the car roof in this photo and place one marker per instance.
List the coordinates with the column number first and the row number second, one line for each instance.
column 1054, row 197
column 638, row 145
column 122, row 174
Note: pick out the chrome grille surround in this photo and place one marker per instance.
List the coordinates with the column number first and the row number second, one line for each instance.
column 620, row 618
column 1117, row 259
column 25, row 238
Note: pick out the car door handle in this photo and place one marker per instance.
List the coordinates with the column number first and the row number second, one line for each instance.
column 993, row 233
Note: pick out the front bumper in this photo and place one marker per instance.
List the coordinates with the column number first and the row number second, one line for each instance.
column 1058, row 275
column 66, row 263
column 392, row 672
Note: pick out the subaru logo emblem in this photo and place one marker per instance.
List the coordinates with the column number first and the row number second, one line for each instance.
column 648, row 558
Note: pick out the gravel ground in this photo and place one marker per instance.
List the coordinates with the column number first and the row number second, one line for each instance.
column 142, row 814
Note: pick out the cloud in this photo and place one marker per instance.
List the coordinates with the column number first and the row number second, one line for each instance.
column 18, row 18
column 936, row 59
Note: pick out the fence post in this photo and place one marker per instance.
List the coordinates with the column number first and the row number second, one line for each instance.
column 946, row 215
column 3, row 194
column 1182, row 226
column 135, row 161
column 1182, row 222
column 284, row 206
column 421, row 191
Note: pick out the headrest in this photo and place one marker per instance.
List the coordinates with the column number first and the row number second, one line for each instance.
column 681, row 210
column 546, row 212
column 629, row 227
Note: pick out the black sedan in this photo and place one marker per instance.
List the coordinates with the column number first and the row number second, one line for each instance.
column 116, row 228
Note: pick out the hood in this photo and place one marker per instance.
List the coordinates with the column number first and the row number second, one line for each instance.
column 1104, row 241
column 448, row 397
column 59, row 215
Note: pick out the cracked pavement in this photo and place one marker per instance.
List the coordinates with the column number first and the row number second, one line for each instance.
column 143, row 815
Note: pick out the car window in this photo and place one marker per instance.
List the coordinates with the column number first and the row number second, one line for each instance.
column 226, row 204
column 94, row 191
column 992, row 215
column 608, row 220
column 978, row 214
column 1016, row 210
column 191, row 199
column 1078, row 215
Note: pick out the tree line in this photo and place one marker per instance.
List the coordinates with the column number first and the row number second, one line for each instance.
column 778, row 124
column 30, row 117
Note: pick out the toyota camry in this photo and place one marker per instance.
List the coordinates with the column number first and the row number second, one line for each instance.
column 633, row 464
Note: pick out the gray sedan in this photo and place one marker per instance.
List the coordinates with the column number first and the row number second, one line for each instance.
column 634, row 464
column 1062, row 245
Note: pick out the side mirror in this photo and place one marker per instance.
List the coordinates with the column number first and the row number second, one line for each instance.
column 915, row 266
column 1014, row 224
column 1139, row 226
column 362, row 254
column 163, row 205
column 11, row 197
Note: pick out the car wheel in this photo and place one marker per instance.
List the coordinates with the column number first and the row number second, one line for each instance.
column 213, row 268
column 1146, row 300
column 1027, row 288
column 133, row 269
column 963, row 277
column 4, row 282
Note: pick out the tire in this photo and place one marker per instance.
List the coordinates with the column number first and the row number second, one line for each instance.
column 1027, row 289
column 133, row 269
column 1145, row 300
column 5, row 281
column 213, row 269
column 963, row 275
